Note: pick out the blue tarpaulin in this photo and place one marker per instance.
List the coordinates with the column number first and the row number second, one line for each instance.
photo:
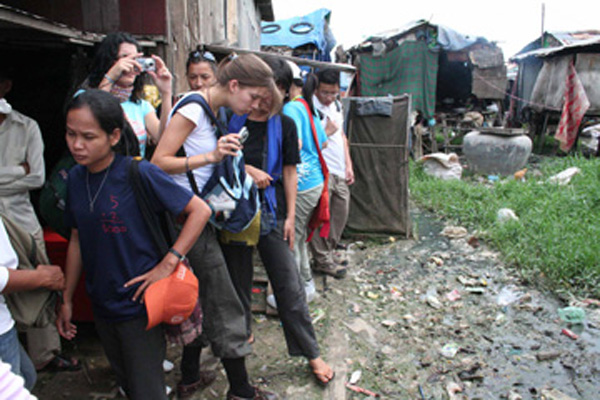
column 299, row 31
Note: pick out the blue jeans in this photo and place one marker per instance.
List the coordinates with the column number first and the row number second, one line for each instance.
column 11, row 352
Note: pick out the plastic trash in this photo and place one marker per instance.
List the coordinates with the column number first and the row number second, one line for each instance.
column 355, row 377
column 442, row 166
column 572, row 315
column 506, row 214
column 569, row 333
column 449, row 350
column 453, row 295
column 454, row 232
column 564, row 177
column 434, row 302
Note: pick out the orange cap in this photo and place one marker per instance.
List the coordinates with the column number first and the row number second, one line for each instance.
column 172, row 299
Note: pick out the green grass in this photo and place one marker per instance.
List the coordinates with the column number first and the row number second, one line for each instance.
column 556, row 240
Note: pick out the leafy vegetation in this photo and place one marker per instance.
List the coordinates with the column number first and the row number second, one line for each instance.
column 556, row 239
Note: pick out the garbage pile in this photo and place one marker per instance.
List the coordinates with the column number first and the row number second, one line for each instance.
column 443, row 318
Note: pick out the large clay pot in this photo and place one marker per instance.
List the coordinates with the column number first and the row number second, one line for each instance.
column 496, row 150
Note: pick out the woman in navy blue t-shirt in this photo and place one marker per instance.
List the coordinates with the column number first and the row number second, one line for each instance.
column 111, row 243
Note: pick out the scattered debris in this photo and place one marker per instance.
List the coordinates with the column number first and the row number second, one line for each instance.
column 572, row 315
column 452, row 389
column 506, row 214
column 520, row 175
column 548, row 355
column 453, row 295
column 358, row 389
column 570, row 333
column 553, row 394
column 449, row 350
column 564, row 177
column 454, row 232
column 355, row 377
column 442, row 166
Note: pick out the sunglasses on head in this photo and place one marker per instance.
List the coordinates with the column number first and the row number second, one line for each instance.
column 197, row 56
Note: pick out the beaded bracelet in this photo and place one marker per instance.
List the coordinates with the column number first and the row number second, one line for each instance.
column 109, row 79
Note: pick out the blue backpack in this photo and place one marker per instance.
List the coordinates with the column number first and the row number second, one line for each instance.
column 231, row 194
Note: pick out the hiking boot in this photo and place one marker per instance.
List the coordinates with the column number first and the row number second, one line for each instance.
column 337, row 271
column 259, row 394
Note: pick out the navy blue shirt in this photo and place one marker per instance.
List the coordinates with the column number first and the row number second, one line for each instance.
column 114, row 240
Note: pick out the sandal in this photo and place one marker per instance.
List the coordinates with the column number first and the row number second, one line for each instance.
column 61, row 363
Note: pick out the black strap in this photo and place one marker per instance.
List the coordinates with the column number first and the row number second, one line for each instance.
column 221, row 130
column 33, row 252
column 152, row 220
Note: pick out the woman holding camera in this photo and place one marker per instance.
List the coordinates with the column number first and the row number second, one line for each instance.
column 117, row 68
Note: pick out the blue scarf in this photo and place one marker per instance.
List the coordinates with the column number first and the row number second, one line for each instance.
column 272, row 160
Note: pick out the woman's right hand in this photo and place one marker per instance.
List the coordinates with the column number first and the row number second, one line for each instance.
column 66, row 328
column 227, row 145
column 125, row 65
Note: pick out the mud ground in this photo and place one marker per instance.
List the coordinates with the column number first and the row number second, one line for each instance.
column 429, row 318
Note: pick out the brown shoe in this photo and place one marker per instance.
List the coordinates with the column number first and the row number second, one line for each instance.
column 259, row 394
column 337, row 271
column 206, row 378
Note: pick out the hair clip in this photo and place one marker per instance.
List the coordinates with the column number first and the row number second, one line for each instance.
column 232, row 56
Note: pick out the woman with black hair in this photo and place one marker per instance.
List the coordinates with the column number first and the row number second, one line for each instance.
column 110, row 239
column 117, row 69
column 201, row 69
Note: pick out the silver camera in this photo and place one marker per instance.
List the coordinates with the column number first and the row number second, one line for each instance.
column 147, row 64
column 243, row 134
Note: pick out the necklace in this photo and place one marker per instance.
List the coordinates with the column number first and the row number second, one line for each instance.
column 89, row 191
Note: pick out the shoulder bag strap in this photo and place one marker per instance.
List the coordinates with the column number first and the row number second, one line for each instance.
column 145, row 206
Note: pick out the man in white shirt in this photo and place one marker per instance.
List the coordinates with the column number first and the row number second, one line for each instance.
column 12, row 280
column 341, row 173
column 21, row 170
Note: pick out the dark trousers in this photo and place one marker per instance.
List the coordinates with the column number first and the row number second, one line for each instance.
column 224, row 324
column 136, row 356
column 288, row 288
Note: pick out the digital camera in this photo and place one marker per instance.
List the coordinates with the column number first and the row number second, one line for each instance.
column 147, row 64
column 243, row 134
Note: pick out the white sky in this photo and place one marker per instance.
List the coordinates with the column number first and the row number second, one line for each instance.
column 511, row 23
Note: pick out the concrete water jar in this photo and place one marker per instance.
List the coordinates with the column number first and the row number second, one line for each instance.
column 498, row 151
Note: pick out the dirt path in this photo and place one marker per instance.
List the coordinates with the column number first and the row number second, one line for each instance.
column 430, row 319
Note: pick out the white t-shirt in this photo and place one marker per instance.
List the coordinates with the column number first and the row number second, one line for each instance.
column 8, row 259
column 334, row 153
column 201, row 140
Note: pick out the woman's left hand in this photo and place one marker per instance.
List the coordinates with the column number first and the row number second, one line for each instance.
column 160, row 271
column 162, row 76
column 289, row 232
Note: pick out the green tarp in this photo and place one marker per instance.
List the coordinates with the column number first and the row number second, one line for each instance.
column 410, row 68
column 379, row 152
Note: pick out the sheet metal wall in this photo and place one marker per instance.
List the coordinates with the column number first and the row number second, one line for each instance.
column 379, row 150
